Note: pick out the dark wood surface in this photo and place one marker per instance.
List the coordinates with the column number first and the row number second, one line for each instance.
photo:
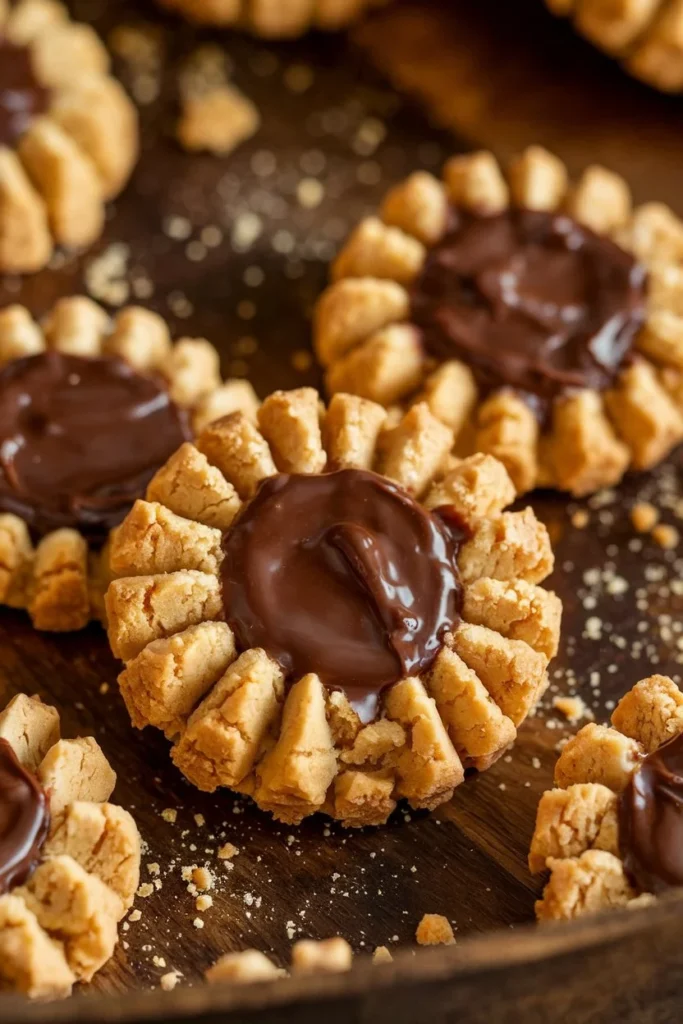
column 467, row 860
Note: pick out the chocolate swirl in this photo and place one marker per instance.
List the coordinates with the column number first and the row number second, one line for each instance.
column 531, row 301
column 651, row 820
column 80, row 439
column 22, row 97
column 24, row 820
column 344, row 575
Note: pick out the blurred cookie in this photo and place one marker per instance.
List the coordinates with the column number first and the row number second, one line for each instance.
column 274, row 18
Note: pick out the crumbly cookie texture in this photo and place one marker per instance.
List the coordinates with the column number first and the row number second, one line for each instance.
column 367, row 345
column 59, row 581
column 274, row 18
column 647, row 37
column 577, row 825
column 60, row 926
column 77, row 155
column 294, row 746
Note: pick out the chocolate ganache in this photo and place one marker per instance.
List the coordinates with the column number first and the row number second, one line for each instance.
column 343, row 575
column 24, row 820
column 22, row 97
column 651, row 819
column 531, row 301
column 80, row 439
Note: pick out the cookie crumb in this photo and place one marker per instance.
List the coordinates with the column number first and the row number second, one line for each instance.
column 644, row 516
column 217, row 120
column 145, row 890
column 580, row 519
column 203, row 903
column 573, row 708
column 666, row 536
column 170, row 815
column 382, row 956
column 331, row 956
column 169, row 981
column 135, row 915
column 198, row 923
column 227, row 851
column 435, row 930
column 202, row 878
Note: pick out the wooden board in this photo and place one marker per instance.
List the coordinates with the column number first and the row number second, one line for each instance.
column 351, row 132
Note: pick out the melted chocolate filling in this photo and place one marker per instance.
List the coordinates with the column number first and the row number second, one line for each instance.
column 24, row 820
column 343, row 575
column 22, row 97
column 651, row 820
column 531, row 301
column 80, row 439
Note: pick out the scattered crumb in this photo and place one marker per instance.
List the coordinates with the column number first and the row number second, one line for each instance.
column 169, row 981
column 202, row 878
column 435, row 930
column 145, row 890
column 666, row 536
column 203, row 903
column 382, row 956
column 573, row 708
column 580, row 519
column 198, row 923
column 170, row 815
column 217, row 120
column 644, row 516
column 227, row 851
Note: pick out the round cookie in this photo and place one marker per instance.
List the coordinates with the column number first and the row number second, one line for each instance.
column 89, row 411
column 69, row 860
column 274, row 18
column 329, row 614
column 541, row 321
column 612, row 830
column 68, row 134
column 647, row 37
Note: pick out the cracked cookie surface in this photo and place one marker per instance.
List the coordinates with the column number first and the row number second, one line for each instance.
column 277, row 717
column 68, row 134
column 610, row 833
column 89, row 410
column 69, row 860
column 584, row 289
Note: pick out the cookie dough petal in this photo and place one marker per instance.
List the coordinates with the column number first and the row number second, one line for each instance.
column 20, row 335
column 644, row 415
column 16, row 560
column 593, row 882
column 512, row 672
column 290, row 423
column 508, row 429
column 584, row 452
column 650, row 713
column 451, row 393
column 30, row 961
column 601, row 200
column 232, row 396
column 479, row 487
column 192, row 369
column 145, row 608
column 25, row 242
column 538, row 180
column 192, row 488
column 30, row 18
column 654, row 234
column 598, row 754
column 419, row 207
column 76, row 326
column 517, row 610
column 385, row 368
column 141, row 337
column 104, row 840
column 241, row 453
column 573, row 820
column 376, row 250
column 68, row 51
column 352, row 310
column 364, row 798
column 475, row 182
column 154, row 540
column 166, row 681
column 416, row 449
column 59, row 598
column 514, row 545
column 351, row 431
column 76, row 770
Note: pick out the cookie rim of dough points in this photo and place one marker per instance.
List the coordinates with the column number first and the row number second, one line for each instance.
column 647, row 39
column 92, row 851
column 302, row 749
column 273, row 19
column 57, row 177
column 61, row 580
column 576, row 834
column 367, row 345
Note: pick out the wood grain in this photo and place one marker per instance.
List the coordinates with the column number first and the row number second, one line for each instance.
column 467, row 860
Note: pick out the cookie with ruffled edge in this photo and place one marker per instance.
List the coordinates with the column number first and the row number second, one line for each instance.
column 59, row 574
column 610, row 832
column 68, row 134
column 368, row 341
column 59, row 917
column 293, row 744
column 274, row 18
column 647, row 37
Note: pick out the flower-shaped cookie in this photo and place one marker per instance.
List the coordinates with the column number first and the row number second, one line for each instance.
column 274, row 18
column 508, row 306
column 327, row 615
column 612, row 831
column 89, row 411
column 646, row 36
column 69, row 861
column 68, row 133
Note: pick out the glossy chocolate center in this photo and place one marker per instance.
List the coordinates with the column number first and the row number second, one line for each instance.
column 24, row 820
column 80, row 439
column 344, row 575
column 531, row 301
column 651, row 820
column 22, row 97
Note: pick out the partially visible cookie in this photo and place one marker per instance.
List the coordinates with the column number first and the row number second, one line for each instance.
column 331, row 956
column 646, row 36
column 540, row 319
column 327, row 612
column 68, row 134
column 274, row 18
column 69, row 860
column 612, row 830
column 90, row 408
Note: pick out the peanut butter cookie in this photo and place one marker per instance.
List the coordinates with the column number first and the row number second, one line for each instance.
column 89, row 411
column 69, row 861
column 540, row 321
column 274, row 18
column 330, row 613
column 68, row 134
column 612, row 831
column 645, row 35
